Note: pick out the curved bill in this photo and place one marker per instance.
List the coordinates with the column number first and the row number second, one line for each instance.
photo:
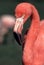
column 18, row 29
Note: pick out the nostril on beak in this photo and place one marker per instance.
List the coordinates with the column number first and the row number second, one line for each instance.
column 18, row 38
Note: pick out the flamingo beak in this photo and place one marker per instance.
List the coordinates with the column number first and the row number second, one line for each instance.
column 18, row 29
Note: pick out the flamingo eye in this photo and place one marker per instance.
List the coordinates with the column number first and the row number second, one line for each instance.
column 18, row 15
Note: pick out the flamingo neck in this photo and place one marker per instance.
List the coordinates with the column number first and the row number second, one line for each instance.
column 34, row 28
column 35, row 14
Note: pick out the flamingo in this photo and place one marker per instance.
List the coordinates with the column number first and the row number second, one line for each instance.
column 6, row 22
column 33, row 52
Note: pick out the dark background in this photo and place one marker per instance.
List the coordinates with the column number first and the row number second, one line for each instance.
column 11, row 52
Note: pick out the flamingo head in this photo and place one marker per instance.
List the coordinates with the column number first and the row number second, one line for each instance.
column 8, row 21
column 22, row 12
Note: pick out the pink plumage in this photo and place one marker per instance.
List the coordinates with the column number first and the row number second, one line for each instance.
column 33, row 53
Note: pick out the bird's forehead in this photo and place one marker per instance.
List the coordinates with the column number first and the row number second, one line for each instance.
column 21, row 11
column 23, row 8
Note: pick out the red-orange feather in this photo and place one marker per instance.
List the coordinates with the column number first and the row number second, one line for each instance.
column 33, row 53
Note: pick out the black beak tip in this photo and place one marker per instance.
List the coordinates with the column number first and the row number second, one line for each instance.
column 18, row 38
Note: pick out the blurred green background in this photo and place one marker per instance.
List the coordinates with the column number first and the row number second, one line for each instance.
column 10, row 51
